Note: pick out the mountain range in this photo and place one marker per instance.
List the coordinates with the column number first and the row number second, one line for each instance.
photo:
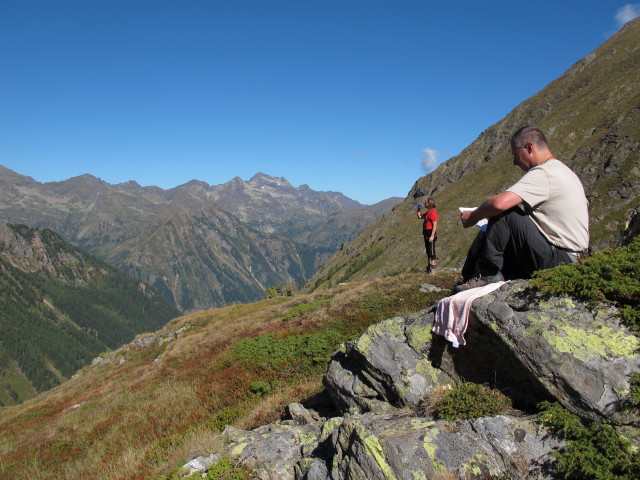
column 198, row 245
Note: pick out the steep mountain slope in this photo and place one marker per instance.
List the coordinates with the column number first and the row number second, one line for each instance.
column 60, row 308
column 198, row 255
column 195, row 267
column 591, row 116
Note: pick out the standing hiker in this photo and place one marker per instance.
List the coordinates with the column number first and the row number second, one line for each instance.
column 429, row 229
column 538, row 223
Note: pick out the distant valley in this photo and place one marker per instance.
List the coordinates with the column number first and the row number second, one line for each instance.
column 198, row 245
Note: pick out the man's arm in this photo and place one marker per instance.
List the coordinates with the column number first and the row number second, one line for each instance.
column 491, row 207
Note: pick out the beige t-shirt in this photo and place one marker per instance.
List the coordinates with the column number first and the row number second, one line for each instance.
column 555, row 199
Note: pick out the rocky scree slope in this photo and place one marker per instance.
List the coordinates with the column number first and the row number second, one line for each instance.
column 591, row 116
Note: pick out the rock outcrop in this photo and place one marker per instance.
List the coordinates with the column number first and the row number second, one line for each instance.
column 531, row 348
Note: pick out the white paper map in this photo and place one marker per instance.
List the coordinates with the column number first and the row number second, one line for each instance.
column 482, row 224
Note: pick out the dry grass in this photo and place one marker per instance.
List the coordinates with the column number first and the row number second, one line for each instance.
column 145, row 418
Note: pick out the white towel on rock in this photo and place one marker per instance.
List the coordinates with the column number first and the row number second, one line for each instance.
column 452, row 314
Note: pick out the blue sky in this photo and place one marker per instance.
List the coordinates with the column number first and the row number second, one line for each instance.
column 361, row 97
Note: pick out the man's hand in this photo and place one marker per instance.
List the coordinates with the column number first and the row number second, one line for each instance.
column 466, row 219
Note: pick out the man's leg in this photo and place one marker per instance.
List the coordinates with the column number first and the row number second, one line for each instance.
column 516, row 247
column 470, row 268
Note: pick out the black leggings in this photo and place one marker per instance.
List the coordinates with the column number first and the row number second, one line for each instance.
column 430, row 247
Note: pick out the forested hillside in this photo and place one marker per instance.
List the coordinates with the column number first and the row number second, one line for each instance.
column 59, row 308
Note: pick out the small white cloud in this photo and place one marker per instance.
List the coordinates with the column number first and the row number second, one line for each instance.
column 627, row 13
column 430, row 159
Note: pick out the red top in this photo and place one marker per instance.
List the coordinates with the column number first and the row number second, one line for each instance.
column 430, row 217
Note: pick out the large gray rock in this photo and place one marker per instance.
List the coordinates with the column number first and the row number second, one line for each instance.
column 530, row 347
column 583, row 357
column 403, row 447
column 273, row 450
column 385, row 364
column 372, row 447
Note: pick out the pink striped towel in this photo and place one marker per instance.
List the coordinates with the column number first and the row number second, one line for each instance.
column 452, row 314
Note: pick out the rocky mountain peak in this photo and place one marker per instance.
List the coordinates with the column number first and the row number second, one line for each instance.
column 11, row 178
column 84, row 179
column 260, row 180
column 129, row 185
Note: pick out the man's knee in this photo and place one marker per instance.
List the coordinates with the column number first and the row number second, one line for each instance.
column 517, row 225
column 514, row 218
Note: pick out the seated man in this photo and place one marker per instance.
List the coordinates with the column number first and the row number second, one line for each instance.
column 540, row 222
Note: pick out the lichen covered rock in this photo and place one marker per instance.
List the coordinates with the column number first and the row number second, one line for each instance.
column 371, row 447
column 582, row 357
column 273, row 450
column 532, row 348
column 387, row 363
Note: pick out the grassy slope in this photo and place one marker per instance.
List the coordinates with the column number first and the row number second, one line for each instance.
column 142, row 418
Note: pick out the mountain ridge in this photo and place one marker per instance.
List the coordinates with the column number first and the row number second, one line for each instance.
column 113, row 221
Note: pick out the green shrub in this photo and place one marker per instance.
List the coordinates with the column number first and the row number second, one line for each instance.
column 272, row 292
column 305, row 353
column 304, row 308
column 379, row 301
column 193, row 476
column 593, row 451
column 610, row 275
column 471, row 400
column 280, row 291
column 223, row 418
column 633, row 400
column 225, row 469
column 260, row 388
